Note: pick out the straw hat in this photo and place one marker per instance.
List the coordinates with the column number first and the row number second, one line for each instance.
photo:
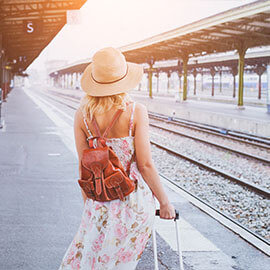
column 109, row 74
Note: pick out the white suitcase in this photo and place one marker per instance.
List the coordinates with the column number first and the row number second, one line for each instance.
column 176, row 220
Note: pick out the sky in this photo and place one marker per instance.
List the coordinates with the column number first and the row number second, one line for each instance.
column 120, row 22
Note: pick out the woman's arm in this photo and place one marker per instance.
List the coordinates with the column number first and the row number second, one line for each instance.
column 80, row 141
column 145, row 163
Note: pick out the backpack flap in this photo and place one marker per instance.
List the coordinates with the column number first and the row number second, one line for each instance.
column 96, row 160
column 113, row 182
column 88, row 187
column 120, row 184
column 95, row 155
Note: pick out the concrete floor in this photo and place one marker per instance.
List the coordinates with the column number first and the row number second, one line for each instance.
column 41, row 204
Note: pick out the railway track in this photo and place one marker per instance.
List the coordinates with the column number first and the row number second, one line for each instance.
column 259, row 240
column 227, row 134
column 218, row 193
column 254, row 188
column 262, row 159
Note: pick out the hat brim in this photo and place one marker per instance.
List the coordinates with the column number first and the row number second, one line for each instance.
column 129, row 82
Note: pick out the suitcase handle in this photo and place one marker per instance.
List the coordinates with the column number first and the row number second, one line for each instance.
column 176, row 214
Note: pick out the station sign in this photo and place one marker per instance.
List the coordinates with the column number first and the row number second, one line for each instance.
column 32, row 27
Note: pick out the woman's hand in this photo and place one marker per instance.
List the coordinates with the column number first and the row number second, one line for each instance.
column 167, row 211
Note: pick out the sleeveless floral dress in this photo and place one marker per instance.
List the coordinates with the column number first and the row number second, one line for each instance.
column 112, row 235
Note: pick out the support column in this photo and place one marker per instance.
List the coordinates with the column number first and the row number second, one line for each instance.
column 6, row 86
column 202, row 81
column 77, row 83
column 185, row 62
column 70, row 75
column 213, row 73
column 168, row 82
column 241, row 63
column 69, row 80
column 180, row 72
column 234, row 72
column 194, row 75
column 268, row 89
column 150, row 74
column 220, row 80
column 1, row 77
column 2, row 55
column 140, row 86
column 260, row 69
column 150, row 84
column 66, row 80
column 73, row 80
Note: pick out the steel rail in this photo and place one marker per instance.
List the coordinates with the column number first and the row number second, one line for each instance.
column 254, row 141
column 198, row 127
column 212, row 143
column 255, row 188
column 240, row 137
column 216, row 210
column 61, row 102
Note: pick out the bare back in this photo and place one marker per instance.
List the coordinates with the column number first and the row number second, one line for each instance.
column 120, row 128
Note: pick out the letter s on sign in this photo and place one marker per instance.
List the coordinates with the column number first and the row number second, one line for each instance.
column 30, row 27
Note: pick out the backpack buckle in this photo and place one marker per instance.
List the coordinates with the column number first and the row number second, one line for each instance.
column 95, row 143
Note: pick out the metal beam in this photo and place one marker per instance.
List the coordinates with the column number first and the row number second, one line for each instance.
column 17, row 9
column 244, row 32
column 24, row 16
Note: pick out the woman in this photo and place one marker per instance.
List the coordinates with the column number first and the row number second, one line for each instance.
column 113, row 235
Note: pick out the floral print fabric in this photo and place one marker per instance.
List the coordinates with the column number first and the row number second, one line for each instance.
column 112, row 235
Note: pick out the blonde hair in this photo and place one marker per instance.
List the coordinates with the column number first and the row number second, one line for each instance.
column 98, row 105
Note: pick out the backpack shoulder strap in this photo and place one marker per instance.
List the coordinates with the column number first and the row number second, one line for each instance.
column 88, row 130
column 95, row 124
column 131, row 124
column 114, row 119
column 95, row 127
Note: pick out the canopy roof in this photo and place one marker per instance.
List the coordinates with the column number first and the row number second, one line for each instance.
column 47, row 17
column 247, row 25
column 242, row 27
column 252, row 58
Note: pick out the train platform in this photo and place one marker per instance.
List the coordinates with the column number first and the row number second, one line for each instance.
column 253, row 120
column 41, row 204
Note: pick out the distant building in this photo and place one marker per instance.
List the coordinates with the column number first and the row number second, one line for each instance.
column 54, row 65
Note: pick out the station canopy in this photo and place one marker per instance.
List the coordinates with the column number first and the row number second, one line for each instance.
column 247, row 26
column 27, row 27
column 236, row 29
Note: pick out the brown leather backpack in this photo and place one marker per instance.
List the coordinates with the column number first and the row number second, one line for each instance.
column 103, row 176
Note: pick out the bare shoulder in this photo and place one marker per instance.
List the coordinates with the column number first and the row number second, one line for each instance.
column 141, row 110
column 78, row 113
column 78, row 117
